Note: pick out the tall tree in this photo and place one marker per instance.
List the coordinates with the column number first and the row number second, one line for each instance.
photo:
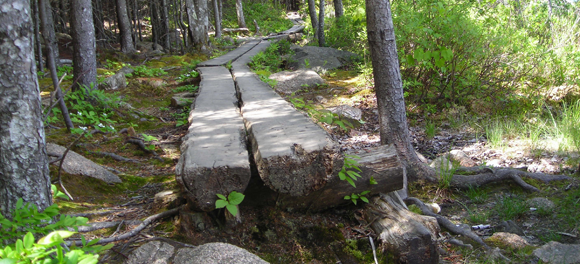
column 313, row 18
column 321, row 40
column 165, row 19
column 240, row 12
column 125, row 27
column 51, row 63
column 198, row 23
column 23, row 160
column 83, row 35
column 48, row 32
column 338, row 9
column 389, row 87
column 218, row 19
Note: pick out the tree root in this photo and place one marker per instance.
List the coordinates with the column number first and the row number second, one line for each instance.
column 484, row 175
column 114, row 156
column 102, row 225
column 149, row 220
column 444, row 222
column 142, row 146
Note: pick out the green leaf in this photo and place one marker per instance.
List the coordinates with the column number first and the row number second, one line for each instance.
column 349, row 180
column 221, row 196
column 221, row 204
column 347, row 197
column 19, row 203
column 18, row 247
column 8, row 261
column 341, row 175
column 372, row 181
column 364, row 199
column 232, row 209
column 364, row 193
column 353, row 175
column 235, row 198
column 28, row 240
column 55, row 237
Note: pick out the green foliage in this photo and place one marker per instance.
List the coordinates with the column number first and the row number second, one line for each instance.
column 430, row 130
column 148, row 138
column 570, row 126
column 269, row 18
column 144, row 71
column 348, row 171
column 28, row 222
column 476, row 195
column 181, row 118
column 272, row 58
column 113, row 65
column 231, row 202
column 186, row 88
column 65, row 69
column 355, row 197
column 509, row 208
column 322, row 116
column 92, row 107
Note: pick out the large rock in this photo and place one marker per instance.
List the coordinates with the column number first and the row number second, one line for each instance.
column 508, row 239
column 319, row 58
column 79, row 165
column 153, row 252
column 117, row 81
column 558, row 253
column 216, row 253
column 159, row 252
column 292, row 81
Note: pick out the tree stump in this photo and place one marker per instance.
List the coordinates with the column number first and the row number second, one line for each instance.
column 412, row 238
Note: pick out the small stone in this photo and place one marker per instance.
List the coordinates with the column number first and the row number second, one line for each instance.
column 320, row 99
column 541, row 202
column 143, row 119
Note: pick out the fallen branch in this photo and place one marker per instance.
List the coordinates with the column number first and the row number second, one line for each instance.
column 149, row 220
column 114, row 156
column 59, row 178
column 142, row 146
column 102, row 225
column 480, row 176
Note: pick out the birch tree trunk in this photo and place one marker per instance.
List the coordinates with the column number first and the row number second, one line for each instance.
column 389, row 88
column 83, row 35
column 23, row 160
column 127, row 46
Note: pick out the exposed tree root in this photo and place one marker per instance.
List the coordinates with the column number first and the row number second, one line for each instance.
column 480, row 176
column 149, row 220
column 444, row 222
column 102, row 225
column 142, row 146
column 114, row 156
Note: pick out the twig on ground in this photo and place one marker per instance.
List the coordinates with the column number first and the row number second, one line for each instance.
column 114, row 156
column 62, row 161
column 483, row 176
column 374, row 250
column 142, row 146
column 149, row 220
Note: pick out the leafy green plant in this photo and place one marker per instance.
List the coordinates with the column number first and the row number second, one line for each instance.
column 348, row 171
column 188, row 75
column 186, row 88
column 65, row 69
column 430, row 130
column 181, row 118
column 149, row 138
column 355, row 197
column 231, row 202
column 229, row 65
column 28, row 222
column 144, row 71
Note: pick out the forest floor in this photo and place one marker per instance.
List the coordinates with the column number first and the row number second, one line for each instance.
column 281, row 236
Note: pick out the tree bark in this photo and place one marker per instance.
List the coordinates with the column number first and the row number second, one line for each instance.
column 23, row 160
column 165, row 19
column 338, row 9
column 83, row 35
column 218, row 19
column 98, row 20
column 52, row 65
column 389, row 88
column 127, row 46
column 198, row 23
column 321, row 41
column 240, row 13
column 47, row 28
column 37, row 42
column 313, row 19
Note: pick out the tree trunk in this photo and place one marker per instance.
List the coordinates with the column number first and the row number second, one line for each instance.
column 321, row 42
column 183, row 27
column 23, row 160
column 218, row 19
column 51, row 63
column 389, row 88
column 37, row 42
column 240, row 12
column 83, row 35
column 313, row 19
column 198, row 22
column 338, row 9
column 62, row 15
column 99, row 21
column 412, row 238
column 165, row 19
column 48, row 32
column 127, row 46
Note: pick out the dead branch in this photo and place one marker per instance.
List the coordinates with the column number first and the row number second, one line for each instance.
column 486, row 175
column 102, row 225
column 142, row 146
column 59, row 179
column 149, row 220
column 114, row 156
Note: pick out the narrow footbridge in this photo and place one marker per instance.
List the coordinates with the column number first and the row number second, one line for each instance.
column 244, row 137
